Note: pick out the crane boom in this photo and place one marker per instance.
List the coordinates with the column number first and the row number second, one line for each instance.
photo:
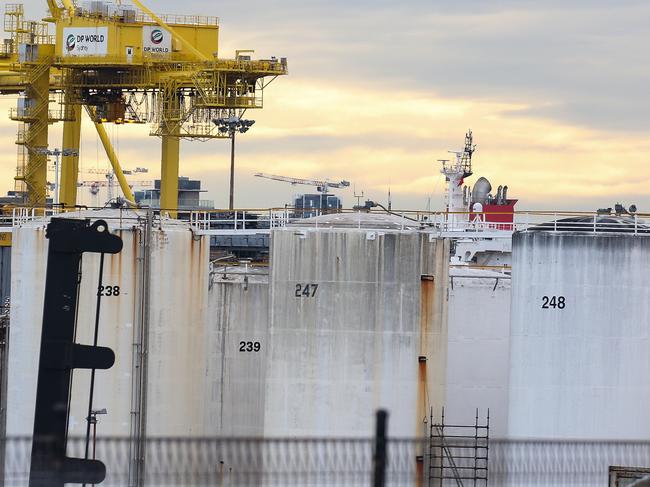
column 321, row 184
column 99, row 182
column 55, row 10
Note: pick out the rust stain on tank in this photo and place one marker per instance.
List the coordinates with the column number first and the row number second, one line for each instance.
column 121, row 234
column 427, row 295
column 419, row 471
column 136, row 235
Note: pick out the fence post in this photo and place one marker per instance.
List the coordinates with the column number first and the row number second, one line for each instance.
column 380, row 457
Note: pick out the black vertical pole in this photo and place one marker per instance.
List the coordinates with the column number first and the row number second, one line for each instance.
column 91, row 395
column 380, row 457
column 231, row 204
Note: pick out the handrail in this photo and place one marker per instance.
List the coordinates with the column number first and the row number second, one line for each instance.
column 397, row 212
column 457, row 224
column 449, row 222
column 139, row 17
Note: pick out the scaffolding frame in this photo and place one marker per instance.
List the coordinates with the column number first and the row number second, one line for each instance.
column 458, row 454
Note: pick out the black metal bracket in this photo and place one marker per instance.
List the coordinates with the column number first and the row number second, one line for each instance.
column 59, row 355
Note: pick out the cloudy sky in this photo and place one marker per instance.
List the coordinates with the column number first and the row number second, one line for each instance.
column 556, row 93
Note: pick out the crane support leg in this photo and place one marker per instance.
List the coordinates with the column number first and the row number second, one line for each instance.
column 170, row 131
column 70, row 164
column 169, row 174
column 35, row 174
column 112, row 157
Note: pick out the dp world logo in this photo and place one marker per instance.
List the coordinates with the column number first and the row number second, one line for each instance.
column 156, row 36
column 70, row 42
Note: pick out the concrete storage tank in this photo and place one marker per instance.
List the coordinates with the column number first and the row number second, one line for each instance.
column 171, row 304
column 239, row 310
column 580, row 336
column 350, row 318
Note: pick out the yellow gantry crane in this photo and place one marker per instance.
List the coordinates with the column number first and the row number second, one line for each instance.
column 120, row 63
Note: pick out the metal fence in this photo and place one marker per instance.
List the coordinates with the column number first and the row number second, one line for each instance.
column 552, row 463
column 234, row 461
column 340, row 462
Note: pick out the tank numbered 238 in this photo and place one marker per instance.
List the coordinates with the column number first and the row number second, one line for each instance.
column 306, row 290
column 553, row 302
column 108, row 291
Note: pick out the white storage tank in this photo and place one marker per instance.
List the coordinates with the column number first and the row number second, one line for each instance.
column 239, row 310
column 580, row 335
column 350, row 318
column 178, row 394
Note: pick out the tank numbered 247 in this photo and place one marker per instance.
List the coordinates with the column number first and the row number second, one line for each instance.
column 306, row 290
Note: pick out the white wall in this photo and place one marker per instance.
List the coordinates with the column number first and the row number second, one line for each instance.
column 581, row 371
column 478, row 354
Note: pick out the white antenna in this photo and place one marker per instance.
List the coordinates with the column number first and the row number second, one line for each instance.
column 455, row 174
column 357, row 196
column 110, row 176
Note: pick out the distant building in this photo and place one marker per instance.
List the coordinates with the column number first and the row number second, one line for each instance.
column 310, row 205
column 19, row 198
column 189, row 195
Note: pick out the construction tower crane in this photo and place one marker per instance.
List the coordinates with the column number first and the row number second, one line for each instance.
column 109, row 183
column 137, row 170
column 321, row 185
column 120, row 63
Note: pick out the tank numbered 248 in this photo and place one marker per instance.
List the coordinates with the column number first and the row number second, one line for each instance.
column 553, row 302
column 306, row 290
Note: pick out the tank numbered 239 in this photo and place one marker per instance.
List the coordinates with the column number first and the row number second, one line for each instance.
column 108, row 291
column 249, row 346
column 306, row 290
column 553, row 302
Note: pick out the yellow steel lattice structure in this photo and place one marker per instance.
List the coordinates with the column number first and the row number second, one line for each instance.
column 125, row 64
